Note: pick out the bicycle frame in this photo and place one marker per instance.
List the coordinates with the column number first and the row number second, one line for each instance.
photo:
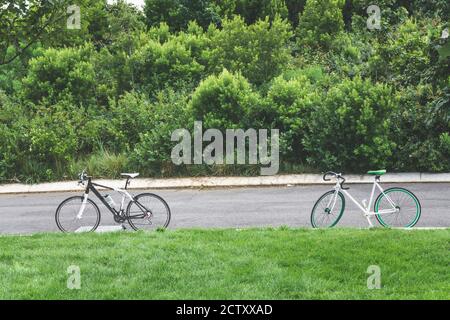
column 366, row 210
column 118, row 214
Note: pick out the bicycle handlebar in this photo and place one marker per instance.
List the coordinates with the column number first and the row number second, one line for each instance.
column 329, row 173
column 83, row 177
column 338, row 176
column 342, row 184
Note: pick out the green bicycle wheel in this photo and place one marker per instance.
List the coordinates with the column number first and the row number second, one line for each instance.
column 407, row 205
column 328, row 210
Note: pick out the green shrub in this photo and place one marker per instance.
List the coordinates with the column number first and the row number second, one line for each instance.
column 349, row 130
column 157, row 65
column 94, row 96
column 225, row 101
column 57, row 135
column 11, row 74
column 12, row 127
column 151, row 155
column 432, row 9
column 61, row 74
column 404, row 57
column 320, row 22
column 420, row 132
column 260, row 51
column 39, row 142
column 292, row 102
column 52, row 139
column 394, row 12
column 128, row 118
column 178, row 13
column 253, row 10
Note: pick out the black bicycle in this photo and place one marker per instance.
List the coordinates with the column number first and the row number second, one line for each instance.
column 146, row 211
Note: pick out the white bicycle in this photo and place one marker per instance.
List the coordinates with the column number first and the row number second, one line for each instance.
column 394, row 207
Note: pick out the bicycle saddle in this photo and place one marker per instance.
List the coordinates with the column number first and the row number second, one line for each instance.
column 376, row 172
column 130, row 175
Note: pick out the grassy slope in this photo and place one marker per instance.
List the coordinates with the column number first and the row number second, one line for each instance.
column 228, row 264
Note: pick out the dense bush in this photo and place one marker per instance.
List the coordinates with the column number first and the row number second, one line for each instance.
column 225, row 101
column 108, row 96
column 404, row 57
column 51, row 139
column 151, row 155
column 259, row 51
column 158, row 65
column 349, row 129
column 12, row 123
column 421, row 137
column 391, row 8
column 60, row 74
column 180, row 12
column 205, row 12
column 292, row 101
column 253, row 10
column 128, row 117
column 320, row 21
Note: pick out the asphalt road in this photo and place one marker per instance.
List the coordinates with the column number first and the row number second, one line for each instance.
column 227, row 208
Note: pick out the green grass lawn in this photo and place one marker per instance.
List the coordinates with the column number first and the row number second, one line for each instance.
column 228, row 264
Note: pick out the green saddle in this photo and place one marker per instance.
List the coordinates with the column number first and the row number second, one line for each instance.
column 376, row 172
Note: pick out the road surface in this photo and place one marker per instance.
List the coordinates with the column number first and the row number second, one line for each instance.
column 227, row 208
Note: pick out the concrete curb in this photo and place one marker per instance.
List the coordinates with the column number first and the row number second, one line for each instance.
column 211, row 182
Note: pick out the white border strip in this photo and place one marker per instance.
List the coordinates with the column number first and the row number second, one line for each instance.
column 209, row 182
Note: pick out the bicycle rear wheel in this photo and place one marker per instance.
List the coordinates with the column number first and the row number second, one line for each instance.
column 407, row 205
column 148, row 211
column 328, row 210
column 72, row 216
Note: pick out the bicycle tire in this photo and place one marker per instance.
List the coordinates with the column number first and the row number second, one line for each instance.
column 416, row 203
column 136, row 226
column 66, row 201
column 341, row 211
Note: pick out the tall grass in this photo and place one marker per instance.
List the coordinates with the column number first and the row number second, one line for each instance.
column 102, row 164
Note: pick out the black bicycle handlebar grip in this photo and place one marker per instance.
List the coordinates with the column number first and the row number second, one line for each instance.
column 342, row 185
column 328, row 173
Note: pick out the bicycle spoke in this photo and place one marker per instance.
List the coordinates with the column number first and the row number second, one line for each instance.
column 67, row 216
column 148, row 212
column 327, row 210
column 407, row 209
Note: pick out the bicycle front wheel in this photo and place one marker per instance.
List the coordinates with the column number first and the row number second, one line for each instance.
column 72, row 215
column 148, row 211
column 328, row 210
column 402, row 208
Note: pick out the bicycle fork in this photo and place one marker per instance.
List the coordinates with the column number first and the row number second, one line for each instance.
column 83, row 206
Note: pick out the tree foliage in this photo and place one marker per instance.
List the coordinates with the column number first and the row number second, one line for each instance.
column 259, row 51
column 350, row 127
column 320, row 21
column 109, row 95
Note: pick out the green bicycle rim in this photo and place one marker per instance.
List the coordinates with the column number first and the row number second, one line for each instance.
column 318, row 201
column 416, row 201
